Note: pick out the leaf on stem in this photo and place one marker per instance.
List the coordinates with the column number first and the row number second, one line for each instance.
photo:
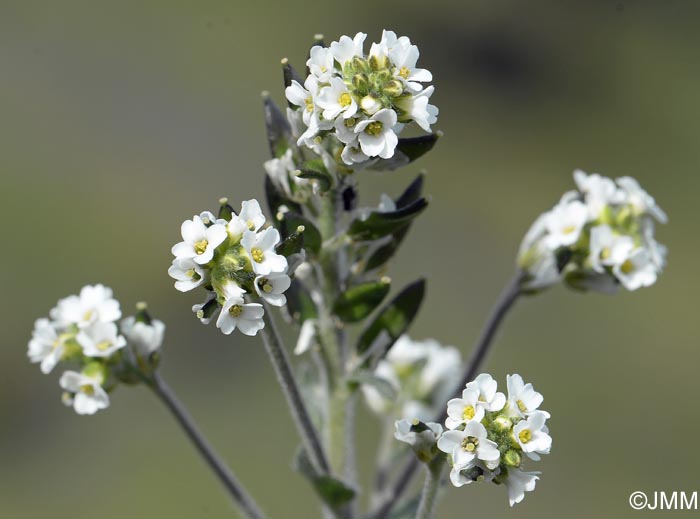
column 332, row 491
column 299, row 303
column 377, row 225
column 359, row 301
column 279, row 133
column 292, row 244
column 276, row 198
column 290, row 222
column 395, row 318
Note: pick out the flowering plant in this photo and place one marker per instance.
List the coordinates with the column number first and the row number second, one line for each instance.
column 320, row 261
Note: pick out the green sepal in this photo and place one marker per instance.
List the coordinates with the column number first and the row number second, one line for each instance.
column 395, row 318
column 377, row 225
column 359, row 301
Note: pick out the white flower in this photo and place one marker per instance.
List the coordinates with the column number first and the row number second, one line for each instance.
column 236, row 313
column 187, row 274
column 600, row 192
column 353, row 154
column 199, row 241
column 519, row 482
column 376, row 134
column 469, row 445
column 418, row 108
column 208, row 218
column 532, row 435
column 464, row 410
column 404, row 57
column 522, row 398
column 422, row 437
column 303, row 97
column 607, row 248
column 46, row 345
column 564, row 223
column 279, row 171
column 320, row 63
column 198, row 309
column 261, row 247
column 251, row 218
column 642, row 201
column 637, row 271
column 94, row 304
column 488, row 395
column 336, row 100
column 271, row 288
column 144, row 337
column 89, row 396
column 346, row 48
column 477, row 471
column 100, row 339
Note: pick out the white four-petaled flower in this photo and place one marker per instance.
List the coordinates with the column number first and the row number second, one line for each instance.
column 86, row 393
column 199, row 241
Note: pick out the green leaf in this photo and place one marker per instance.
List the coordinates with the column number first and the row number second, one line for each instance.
column 315, row 170
column 292, row 244
column 299, row 303
column 408, row 150
column 378, row 225
column 334, row 492
column 290, row 223
column 279, row 133
column 395, row 318
column 359, row 301
column 380, row 256
column 383, row 386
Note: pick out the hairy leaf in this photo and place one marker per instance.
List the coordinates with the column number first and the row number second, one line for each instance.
column 359, row 301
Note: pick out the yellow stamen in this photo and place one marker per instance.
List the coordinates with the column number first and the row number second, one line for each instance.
column 104, row 345
column 87, row 389
column 374, row 128
column 309, row 104
column 470, row 443
column 257, row 254
column 468, row 412
column 569, row 229
column 235, row 310
column 345, row 99
column 521, row 406
column 627, row 267
column 605, row 253
column 404, row 72
column 525, row 435
column 200, row 246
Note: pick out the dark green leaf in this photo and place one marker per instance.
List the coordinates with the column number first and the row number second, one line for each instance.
column 412, row 193
column 332, row 491
column 323, row 178
column 292, row 244
column 382, row 385
column 359, row 301
column 279, row 133
column 312, row 237
column 275, row 198
column 299, row 303
column 408, row 150
column 394, row 318
column 378, row 225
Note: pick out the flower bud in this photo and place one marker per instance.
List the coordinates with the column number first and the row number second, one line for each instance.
column 370, row 105
column 512, row 458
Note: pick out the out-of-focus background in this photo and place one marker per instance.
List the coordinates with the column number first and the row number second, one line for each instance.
column 121, row 119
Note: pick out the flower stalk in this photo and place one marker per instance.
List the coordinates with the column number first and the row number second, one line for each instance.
column 247, row 506
column 428, row 499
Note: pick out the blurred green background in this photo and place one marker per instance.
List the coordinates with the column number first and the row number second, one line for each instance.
column 121, row 119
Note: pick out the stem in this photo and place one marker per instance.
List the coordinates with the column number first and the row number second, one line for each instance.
column 428, row 499
column 290, row 388
column 504, row 303
column 245, row 502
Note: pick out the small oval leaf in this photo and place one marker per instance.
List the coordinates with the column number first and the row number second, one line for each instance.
column 359, row 301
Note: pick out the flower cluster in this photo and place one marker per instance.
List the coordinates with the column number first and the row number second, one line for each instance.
column 597, row 237
column 83, row 330
column 420, row 372
column 234, row 258
column 363, row 101
column 489, row 434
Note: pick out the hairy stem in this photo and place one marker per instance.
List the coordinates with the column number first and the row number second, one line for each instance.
column 428, row 498
column 247, row 506
column 290, row 388
column 505, row 302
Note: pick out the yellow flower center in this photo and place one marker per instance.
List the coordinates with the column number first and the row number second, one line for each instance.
column 257, row 254
column 569, row 229
column 468, row 412
column 265, row 285
column 87, row 316
column 345, row 99
column 605, row 253
column 404, row 72
column 200, row 246
column 374, row 128
column 235, row 310
column 104, row 345
column 251, row 225
column 521, row 406
column 190, row 273
column 627, row 267
column 525, row 435
column 309, row 104
column 87, row 389
column 350, row 122
column 470, row 443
